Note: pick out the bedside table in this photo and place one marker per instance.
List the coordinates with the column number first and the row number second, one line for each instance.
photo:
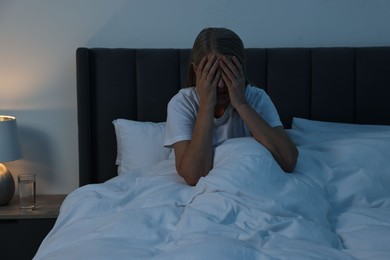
column 23, row 231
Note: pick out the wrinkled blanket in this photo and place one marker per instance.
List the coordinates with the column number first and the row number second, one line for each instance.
column 336, row 205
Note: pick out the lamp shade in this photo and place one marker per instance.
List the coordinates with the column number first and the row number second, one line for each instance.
column 9, row 151
column 9, row 141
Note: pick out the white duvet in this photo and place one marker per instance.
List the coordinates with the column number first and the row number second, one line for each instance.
column 336, row 205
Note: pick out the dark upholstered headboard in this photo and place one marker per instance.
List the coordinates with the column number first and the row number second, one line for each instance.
column 331, row 84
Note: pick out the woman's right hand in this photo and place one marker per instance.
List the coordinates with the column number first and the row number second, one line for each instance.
column 208, row 74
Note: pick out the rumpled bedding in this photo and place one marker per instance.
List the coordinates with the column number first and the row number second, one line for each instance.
column 336, row 205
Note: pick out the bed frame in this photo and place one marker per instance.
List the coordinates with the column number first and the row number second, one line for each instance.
column 338, row 84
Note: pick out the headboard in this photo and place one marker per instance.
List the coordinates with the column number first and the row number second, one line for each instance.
column 338, row 84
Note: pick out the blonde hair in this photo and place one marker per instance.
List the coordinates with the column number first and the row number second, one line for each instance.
column 218, row 40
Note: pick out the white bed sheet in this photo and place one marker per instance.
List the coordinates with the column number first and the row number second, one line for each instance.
column 335, row 206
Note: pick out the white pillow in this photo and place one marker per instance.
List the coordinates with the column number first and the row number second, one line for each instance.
column 139, row 144
column 333, row 127
column 307, row 132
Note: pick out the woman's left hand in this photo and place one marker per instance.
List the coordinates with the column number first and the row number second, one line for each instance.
column 233, row 76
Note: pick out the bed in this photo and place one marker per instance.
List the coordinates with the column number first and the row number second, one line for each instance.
column 334, row 104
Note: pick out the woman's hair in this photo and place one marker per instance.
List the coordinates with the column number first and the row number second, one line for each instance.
column 218, row 40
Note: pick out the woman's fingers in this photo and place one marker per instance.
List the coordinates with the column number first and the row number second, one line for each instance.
column 238, row 65
column 233, row 76
column 200, row 66
column 213, row 73
column 216, row 78
column 225, row 78
column 211, row 67
column 229, row 68
column 208, row 75
column 232, row 68
column 207, row 67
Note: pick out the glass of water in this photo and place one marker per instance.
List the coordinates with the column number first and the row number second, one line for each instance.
column 26, row 183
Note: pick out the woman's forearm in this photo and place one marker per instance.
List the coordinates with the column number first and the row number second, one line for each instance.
column 274, row 139
column 195, row 159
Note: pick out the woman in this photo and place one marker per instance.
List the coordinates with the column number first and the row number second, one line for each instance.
column 220, row 104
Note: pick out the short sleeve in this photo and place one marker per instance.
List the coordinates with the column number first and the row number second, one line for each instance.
column 263, row 105
column 180, row 120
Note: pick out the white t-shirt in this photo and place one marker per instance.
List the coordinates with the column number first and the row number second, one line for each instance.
column 183, row 110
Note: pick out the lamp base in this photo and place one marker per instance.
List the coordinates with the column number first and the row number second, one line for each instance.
column 7, row 185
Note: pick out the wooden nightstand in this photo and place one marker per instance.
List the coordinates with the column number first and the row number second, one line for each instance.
column 23, row 231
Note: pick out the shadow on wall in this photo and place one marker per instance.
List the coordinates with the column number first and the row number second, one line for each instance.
column 37, row 153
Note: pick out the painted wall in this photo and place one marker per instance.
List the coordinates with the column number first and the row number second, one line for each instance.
column 38, row 39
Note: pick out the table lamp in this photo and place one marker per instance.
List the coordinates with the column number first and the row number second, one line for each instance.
column 9, row 151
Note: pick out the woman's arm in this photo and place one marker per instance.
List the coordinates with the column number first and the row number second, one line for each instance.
column 274, row 139
column 194, row 157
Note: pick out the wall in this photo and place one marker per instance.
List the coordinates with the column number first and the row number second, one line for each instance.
column 39, row 38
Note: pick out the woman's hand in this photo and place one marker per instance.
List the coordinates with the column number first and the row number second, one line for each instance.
column 207, row 76
column 234, row 78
